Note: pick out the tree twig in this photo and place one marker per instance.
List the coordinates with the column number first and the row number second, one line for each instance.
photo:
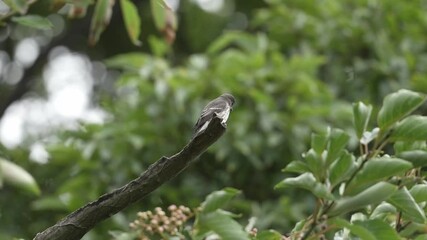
column 78, row 223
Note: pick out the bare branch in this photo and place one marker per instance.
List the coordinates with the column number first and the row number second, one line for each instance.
column 78, row 223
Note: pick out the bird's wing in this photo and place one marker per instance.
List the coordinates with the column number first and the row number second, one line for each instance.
column 215, row 106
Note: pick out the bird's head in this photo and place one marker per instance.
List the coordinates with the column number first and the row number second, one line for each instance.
column 229, row 98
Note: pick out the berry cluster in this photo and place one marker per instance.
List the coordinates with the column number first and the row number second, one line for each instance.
column 158, row 223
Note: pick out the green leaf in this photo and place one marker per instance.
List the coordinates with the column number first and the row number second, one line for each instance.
column 132, row 21
column 16, row 176
column 79, row 2
column 379, row 229
column 337, row 141
column 218, row 199
column 165, row 19
column 20, row 6
column 402, row 146
column 413, row 229
column 308, row 182
column 412, row 128
column 219, row 223
column 398, row 105
column 340, row 170
column 361, row 116
column 419, row 192
column 299, row 226
column 418, row 158
column 375, row 170
column 318, row 142
column 421, row 237
column 404, row 201
column 269, row 235
column 159, row 48
column 245, row 41
column 372, row 195
column 357, row 230
column 100, row 19
column 296, row 167
column 158, row 9
column 128, row 61
column 314, row 163
column 34, row 21
column 382, row 211
column 50, row 203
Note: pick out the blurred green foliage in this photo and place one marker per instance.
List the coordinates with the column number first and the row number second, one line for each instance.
column 369, row 193
column 371, row 47
column 294, row 68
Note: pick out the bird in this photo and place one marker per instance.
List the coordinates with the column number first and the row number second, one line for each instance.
column 220, row 106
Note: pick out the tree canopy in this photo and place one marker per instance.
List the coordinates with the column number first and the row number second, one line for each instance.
column 92, row 92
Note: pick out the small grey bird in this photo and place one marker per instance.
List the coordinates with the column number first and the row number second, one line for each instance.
column 221, row 106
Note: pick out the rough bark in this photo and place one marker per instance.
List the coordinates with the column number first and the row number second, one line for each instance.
column 78, row 223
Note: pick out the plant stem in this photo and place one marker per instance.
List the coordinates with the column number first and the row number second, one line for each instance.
column 398, row 218
column 314, row 220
